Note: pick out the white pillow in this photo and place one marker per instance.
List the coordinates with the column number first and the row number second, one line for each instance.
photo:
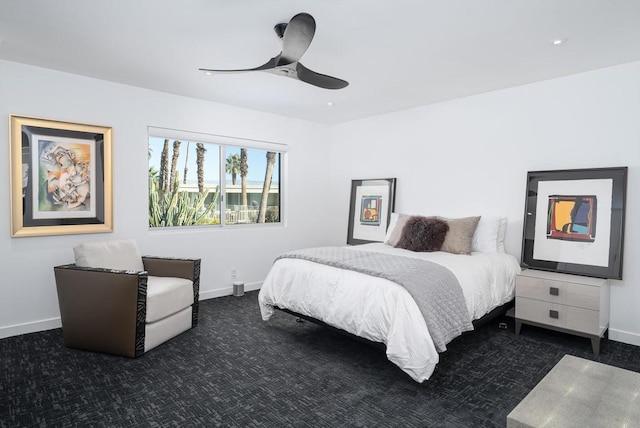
column 502, row 231
column 394, row 232
column 120, row 254
column 392, row 224
column 488, row 237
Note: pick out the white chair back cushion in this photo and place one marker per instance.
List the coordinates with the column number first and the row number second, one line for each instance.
column 120, row 254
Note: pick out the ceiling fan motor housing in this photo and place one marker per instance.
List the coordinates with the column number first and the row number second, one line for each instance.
column 279, row 29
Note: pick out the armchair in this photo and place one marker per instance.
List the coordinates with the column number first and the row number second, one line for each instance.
column 115, row 301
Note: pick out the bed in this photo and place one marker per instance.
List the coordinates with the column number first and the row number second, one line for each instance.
column 380, row 310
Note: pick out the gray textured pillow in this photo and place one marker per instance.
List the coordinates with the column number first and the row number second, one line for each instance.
column 460, row 235
column 423, row 234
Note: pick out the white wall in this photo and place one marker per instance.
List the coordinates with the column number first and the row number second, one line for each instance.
column 28, row 300
column 471, row 156
column 463, row 157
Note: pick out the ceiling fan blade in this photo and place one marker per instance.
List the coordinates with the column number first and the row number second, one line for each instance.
column 266, row 66
column 319, row 80
column 297, row 38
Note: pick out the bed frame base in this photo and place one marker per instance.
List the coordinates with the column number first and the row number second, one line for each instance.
column 302, row 318
column 500, row 311
column 487, row 318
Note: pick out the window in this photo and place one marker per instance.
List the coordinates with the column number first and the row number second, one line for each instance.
column 197, row 179
column 250, row 197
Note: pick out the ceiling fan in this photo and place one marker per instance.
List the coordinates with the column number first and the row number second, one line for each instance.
column 296, row 37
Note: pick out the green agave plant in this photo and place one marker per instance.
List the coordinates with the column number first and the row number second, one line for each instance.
column 178, row 208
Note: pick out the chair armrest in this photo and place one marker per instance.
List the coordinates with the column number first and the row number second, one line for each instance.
column 174, row 267
column 102, row 310
column 178, row 268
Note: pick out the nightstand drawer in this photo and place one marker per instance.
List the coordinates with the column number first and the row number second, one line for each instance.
column 569, row 317
column 564, row 293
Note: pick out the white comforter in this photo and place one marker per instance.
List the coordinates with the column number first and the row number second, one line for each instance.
column 383, row 311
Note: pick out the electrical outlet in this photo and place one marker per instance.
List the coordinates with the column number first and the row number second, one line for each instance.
column 234, row 274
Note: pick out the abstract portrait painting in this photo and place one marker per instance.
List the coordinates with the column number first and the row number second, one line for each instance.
column 60, row 177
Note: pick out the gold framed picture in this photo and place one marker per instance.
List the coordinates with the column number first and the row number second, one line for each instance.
column 60, row 177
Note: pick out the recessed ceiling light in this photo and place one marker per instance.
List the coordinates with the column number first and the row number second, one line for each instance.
column 329, row 103
column 208, row 73
column 557, row 42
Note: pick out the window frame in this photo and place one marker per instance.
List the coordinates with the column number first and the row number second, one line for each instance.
column 223, row 142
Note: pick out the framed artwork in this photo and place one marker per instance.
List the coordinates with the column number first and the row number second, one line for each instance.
column 371, row 205
column 574, row 221
column 60, row 177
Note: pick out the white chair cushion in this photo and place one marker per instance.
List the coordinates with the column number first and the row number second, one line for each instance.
column 120, row 254
column 159, row 332
column 166, row 296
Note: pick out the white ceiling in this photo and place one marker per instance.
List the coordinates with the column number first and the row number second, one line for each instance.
column 395, row 54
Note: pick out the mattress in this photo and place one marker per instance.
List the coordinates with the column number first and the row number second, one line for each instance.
column 383, row 311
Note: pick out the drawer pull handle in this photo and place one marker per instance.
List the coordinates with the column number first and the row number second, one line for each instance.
column 553, row 314
column 554, row 291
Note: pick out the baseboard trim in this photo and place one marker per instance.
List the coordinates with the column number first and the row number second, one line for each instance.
column 52, row 323
column 624, row 337
column 30, row 327
column 227, row 291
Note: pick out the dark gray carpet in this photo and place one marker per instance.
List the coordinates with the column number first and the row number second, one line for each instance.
column 235, row 370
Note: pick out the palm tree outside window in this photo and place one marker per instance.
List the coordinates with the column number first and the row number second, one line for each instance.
column 187, row 186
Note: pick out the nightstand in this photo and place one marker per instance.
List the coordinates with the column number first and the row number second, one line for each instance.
column 569, row 303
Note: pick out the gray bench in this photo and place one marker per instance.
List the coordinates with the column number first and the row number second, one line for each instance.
column 581, row 393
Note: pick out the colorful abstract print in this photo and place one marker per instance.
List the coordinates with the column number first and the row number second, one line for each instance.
column 65, row 173
column 572, row 218
column 370, row 210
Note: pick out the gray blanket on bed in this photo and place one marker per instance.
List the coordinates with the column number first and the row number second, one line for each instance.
column 434, row 288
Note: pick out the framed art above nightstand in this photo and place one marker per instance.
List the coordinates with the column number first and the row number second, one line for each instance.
column 574, row 221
